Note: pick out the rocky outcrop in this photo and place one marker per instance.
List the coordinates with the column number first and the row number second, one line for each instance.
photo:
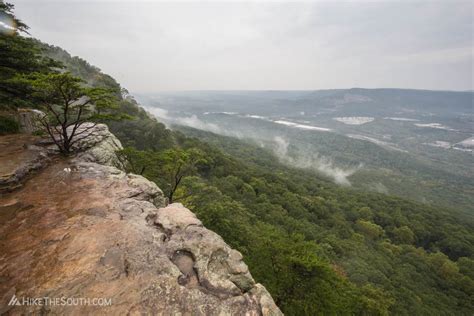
column 81, row 229
column 29, row 120
column 99, row 146
column 20, row 155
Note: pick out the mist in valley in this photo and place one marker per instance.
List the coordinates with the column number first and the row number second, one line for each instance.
column 392, row 141
column 287, row 153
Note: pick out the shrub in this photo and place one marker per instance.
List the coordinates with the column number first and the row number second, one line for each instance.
column 8, row 125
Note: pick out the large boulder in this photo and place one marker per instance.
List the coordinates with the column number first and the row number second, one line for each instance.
column 30, row 120
column 99, row 146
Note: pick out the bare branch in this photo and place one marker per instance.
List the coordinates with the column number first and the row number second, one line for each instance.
column 51, row 109
column 83, row 137
column 77, row 119
column 86, row 129
column 50, row 132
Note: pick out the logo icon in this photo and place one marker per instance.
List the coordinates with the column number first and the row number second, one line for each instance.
column 14, row 301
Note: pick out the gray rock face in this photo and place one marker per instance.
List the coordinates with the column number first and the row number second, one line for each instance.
column 88, row 230
column 99, row 146
column 216, row 268
column 29, row 120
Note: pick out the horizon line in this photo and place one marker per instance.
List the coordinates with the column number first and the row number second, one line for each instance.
column 295, row 90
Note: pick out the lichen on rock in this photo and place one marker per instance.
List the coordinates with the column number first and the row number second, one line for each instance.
column 99, row 146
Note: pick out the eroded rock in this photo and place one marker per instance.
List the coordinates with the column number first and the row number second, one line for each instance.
column 19, row 157
column 29, row 120
column 99, row 146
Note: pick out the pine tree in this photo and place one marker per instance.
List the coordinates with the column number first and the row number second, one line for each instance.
column 18, row 55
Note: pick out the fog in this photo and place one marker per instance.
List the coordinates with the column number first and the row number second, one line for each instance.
column 312, row 160
column 190, row 121
column 279, row 145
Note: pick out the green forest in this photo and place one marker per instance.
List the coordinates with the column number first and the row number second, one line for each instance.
column 318, row 248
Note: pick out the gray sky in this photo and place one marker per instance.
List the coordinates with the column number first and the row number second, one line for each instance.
column 154, row 45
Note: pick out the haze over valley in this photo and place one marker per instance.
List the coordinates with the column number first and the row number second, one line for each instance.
column 412, row 143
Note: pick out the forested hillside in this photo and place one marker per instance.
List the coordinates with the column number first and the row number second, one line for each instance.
column 318, row 248
column 410, row 143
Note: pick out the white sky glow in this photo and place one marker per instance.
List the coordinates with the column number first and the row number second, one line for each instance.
column 155, row 45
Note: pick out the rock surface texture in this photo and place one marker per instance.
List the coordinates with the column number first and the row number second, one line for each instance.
column 29, row 120
column 20, row 155
column 99, row 146
column 81, row 229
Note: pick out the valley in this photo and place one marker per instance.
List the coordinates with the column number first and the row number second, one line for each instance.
column 411, row 143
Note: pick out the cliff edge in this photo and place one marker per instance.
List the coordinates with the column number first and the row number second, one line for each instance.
column 86, row 238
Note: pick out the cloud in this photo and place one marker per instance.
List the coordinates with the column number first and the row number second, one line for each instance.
column 312, row 160
column 279, row 145
column 190, row 121
column 159, row 112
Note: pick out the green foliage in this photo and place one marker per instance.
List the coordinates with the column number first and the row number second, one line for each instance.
column 65, row 90
column 403, row 235
column 18, row 55
column 78, row 67
column 140, row 130
column 302, row 283
column 6, row 13
column 167, row 167
column 8, row 125
column 68, row 105
column 466, row 266
column 369, row 229
column 365, row 213
column 176, row 164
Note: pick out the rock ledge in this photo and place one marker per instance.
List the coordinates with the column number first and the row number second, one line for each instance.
column 82, row 229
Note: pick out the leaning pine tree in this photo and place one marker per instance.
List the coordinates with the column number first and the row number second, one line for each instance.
column 72, row 109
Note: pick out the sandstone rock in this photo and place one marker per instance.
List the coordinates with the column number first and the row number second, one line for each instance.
column 146, row 190
column 21, row 154
column 19, row 157
column 80, row 229
column 29, row 120
column 99, row 146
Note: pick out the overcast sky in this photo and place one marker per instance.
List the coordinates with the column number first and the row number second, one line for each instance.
column 154, row 45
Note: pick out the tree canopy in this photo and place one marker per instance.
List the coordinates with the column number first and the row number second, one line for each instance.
column 69, row 105
column 19, row 55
